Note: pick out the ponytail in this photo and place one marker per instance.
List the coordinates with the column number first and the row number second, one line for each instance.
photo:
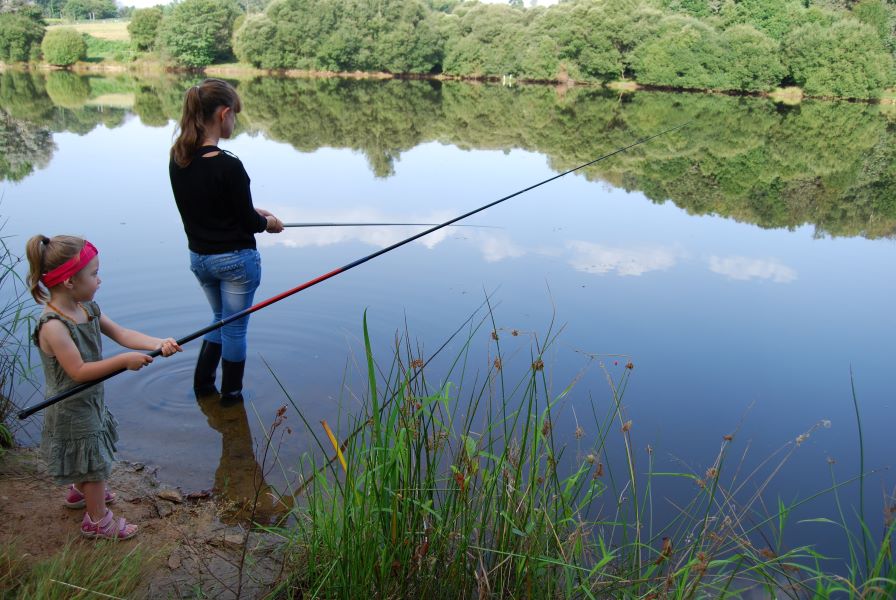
column 45, row 254
column 200, row 103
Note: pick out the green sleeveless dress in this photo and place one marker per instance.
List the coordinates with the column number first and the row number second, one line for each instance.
column 79, row 433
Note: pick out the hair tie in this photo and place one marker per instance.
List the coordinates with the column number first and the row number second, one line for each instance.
column 70, row 267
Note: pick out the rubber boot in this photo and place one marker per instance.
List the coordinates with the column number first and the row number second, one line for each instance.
column 232, row 382
column 206, row 365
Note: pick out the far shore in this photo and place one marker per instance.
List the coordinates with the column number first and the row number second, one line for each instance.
column 789, row 95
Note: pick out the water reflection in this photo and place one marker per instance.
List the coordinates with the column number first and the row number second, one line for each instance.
column 743, row 268
column 239, row 478
column 822, row 163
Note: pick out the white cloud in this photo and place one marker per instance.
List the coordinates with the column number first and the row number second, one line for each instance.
column 497, row 247
column 595, row 258
column 380, row 237
column 742, row 268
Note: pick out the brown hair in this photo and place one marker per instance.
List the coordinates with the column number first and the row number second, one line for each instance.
column 45, row 254
column 200, row 104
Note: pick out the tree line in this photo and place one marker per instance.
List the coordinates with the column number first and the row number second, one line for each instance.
column 841, row 48
column 831, row 165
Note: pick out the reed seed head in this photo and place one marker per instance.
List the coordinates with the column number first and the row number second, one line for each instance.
column 538, row 365
column 580, row 433
column 498, row 364
column 495, row 335
column 515, row 332
column 627, row 426
column 417, row 363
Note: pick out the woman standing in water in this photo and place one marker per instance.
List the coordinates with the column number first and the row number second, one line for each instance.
column 211, row 189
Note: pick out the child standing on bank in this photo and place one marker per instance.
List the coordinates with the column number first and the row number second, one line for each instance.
column 79, row 433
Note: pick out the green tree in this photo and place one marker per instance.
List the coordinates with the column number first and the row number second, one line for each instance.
column 847, row 60
column 144, row 27
column 398, row 36
column 89, row 9
column 486, row 40
column 20, row 35
column 685, row 53
column 63, row 47
column 196, row 33
column 254, row 43
column 773, row 17
column 881, row 17
column 596, row 37
column 754, row 59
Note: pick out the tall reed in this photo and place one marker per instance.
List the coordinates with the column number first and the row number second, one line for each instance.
column 467, row 491
column 16, row 317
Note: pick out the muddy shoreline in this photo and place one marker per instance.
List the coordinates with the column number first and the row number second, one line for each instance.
column 190, row 539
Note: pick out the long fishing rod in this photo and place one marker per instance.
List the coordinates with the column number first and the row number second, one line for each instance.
column 327, row 224
column 27, row 412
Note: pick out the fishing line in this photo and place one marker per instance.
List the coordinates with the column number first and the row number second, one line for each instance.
column 27, row 412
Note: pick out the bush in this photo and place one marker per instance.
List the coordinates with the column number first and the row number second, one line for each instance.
column 685, row 53
column 754, row 63
column 398, row 36
column 254, row 43
column 144, row 28
column 20, row 36
column 846, row 60
column 63, row 47
column 196, row 33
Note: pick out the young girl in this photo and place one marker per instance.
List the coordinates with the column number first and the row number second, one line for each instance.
column 79, row 433
column 211, row 189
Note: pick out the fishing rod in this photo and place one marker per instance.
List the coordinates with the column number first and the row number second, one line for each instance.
column 27, row 412
column 326, row 224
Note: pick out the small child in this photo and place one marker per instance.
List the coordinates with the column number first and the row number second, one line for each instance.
column 79, row 433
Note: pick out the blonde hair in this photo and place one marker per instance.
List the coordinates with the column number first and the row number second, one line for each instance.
column 200, row 104
column 45, row 254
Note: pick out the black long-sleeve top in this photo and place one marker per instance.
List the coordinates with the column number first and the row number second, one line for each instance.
column 215, row 204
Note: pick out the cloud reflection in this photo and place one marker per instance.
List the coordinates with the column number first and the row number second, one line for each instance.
column 743, row 268
column 598, row 259
column 380, row 237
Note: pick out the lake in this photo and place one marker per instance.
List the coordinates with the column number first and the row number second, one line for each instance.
column 743, row 264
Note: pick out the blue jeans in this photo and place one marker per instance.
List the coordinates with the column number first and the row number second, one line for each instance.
column 229, row 281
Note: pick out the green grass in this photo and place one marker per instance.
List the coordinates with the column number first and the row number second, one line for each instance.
column 107, row 29
column 78, row 570
column 466, row 491
column 99, row 50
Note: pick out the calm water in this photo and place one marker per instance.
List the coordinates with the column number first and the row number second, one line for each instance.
column 743, row 264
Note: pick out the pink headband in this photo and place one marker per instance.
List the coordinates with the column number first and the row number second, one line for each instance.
column 71, row 266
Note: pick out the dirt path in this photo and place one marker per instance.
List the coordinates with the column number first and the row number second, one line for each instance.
column 192, row 548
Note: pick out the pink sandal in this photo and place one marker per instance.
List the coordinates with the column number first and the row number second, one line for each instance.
column 75, row 499
column 108, row 527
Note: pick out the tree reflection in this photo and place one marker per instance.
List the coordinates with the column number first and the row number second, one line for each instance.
column 827, row 164
column 24, row 147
